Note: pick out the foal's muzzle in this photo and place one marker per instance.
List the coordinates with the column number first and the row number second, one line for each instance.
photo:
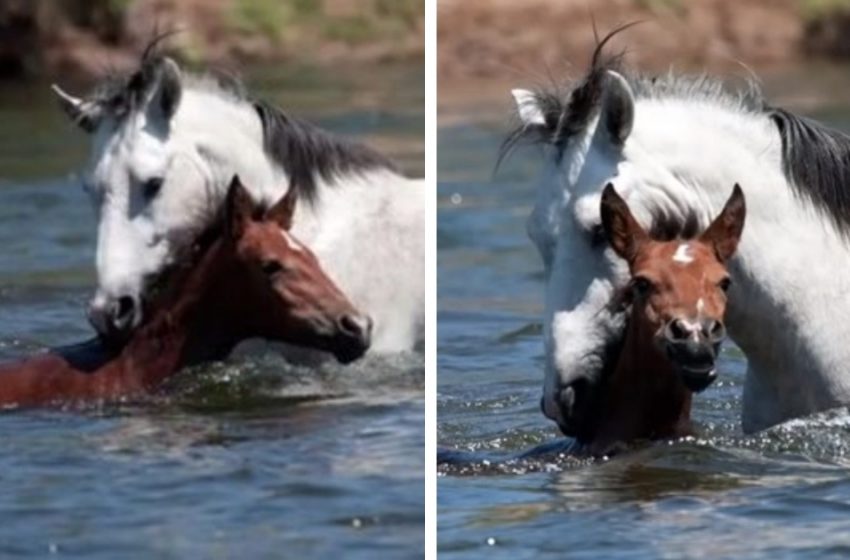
column 114, row 318
column 693, row 347
column 353, row 338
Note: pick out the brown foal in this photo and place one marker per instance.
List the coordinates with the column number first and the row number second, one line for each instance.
column 676, row 300
column 252, row 280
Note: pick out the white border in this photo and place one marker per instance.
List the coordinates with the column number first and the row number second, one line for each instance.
column 431, row 280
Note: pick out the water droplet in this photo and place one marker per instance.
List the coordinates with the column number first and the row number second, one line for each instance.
column 456, row 199
column 491, row 541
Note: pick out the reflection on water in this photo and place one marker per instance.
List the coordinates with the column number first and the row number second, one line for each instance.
column 243, row 459
column 722, row 495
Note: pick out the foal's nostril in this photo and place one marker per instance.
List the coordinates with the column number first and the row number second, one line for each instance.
column 677, row 331
column 356, row 326
column 715, row 331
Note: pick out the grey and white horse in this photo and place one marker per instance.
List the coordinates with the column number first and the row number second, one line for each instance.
column 166, row 144
column 676, row 145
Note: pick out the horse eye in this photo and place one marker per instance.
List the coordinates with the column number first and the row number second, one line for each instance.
column 151, row 188
column 270, row 268
column 724, row 284
column 641, row 285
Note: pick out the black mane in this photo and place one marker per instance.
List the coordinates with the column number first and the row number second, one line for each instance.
column 815, row 158
column 306, row 152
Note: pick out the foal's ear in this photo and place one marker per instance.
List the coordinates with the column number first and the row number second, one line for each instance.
column 724, row 233
column 281, row 213
column 238, row 209
column 624, row 233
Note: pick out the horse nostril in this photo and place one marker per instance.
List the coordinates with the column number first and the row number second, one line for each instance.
column 125, row 306
column 677, row 331
column 355, row 326
column 715, row 330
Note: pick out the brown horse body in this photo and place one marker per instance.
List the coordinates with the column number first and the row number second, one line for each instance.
column 253, row 281
column 675, row 300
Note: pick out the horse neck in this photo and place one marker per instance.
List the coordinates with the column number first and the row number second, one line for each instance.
column 272, row 151
column 643, row 397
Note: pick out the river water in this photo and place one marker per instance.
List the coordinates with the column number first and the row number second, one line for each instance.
column 251, row 458
column 785, row 492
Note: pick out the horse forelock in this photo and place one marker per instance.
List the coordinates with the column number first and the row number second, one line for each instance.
column 815, row 157
column 569, row 110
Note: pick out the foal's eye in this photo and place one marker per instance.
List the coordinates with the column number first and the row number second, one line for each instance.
column 151, row 188
column 724, row 284
column 641, row 285
column 270, row 268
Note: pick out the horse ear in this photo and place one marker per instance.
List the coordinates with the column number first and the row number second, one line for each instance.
column 281, row 213
column 528, row 107
column 624, row 233
column 618, row 108
column 725, row 231
column 168, row 89
column 238, row 209
column 85, row 114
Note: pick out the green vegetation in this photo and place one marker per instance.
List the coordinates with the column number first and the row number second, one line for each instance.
column 676, row 6
column 817, row 9
column 381, row 18
column 372, row 20
column 269, row 17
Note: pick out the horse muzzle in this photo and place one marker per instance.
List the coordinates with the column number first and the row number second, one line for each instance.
column 572, row 408
column 114, row 318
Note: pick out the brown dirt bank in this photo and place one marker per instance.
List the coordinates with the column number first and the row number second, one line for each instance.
column 83, row 37
column 492, row 40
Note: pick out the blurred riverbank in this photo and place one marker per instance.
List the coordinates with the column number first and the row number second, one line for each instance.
column 86, row 37
column 485, row 45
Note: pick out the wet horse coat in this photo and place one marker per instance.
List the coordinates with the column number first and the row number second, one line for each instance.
column 672, row 145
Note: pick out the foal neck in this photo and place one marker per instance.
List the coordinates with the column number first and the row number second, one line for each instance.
column 204, row 318
column 644, row 397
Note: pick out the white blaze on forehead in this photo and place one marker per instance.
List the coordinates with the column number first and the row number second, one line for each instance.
column 683, row 254
column 291, row 242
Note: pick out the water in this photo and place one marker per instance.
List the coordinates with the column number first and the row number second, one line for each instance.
column 782, row 493
column 252, row 458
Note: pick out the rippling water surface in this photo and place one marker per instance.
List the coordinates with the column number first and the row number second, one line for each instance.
column 251, row 458
column 782, row 493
